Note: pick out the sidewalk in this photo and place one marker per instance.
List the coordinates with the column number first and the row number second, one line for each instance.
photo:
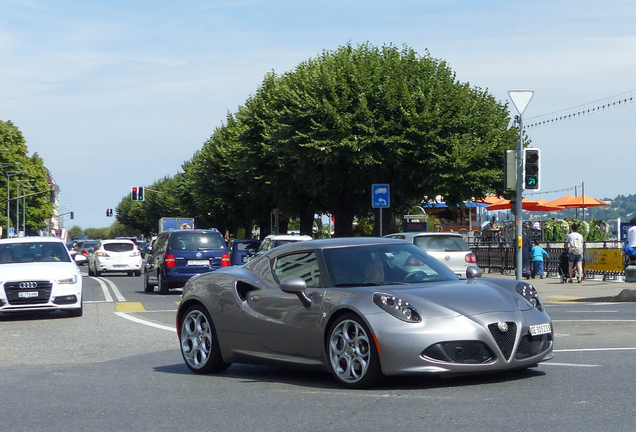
column 551, row 290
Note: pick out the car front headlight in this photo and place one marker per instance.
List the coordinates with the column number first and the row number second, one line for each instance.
column 397, row 307
column 69, row 280
column 528, row 292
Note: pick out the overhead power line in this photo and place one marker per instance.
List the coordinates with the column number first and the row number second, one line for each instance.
column 590, row 108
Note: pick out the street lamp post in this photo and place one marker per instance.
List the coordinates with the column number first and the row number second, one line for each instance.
column 18, row 197
column 10, row 174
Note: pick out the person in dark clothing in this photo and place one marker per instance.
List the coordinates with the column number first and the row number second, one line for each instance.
column 525, row 253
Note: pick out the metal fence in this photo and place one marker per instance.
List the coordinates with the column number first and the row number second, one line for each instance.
column 500, row 257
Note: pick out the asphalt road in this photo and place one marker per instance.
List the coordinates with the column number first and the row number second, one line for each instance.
column 118, row 368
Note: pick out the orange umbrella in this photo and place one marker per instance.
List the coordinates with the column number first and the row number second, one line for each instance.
column 504, row 204
column 542, row 206
column 489, row 199
column 562, row 201
column 584, row 201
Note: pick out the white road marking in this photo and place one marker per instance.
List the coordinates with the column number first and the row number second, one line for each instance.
column 594, row 320
column 144, row 322
column 596, row 311
column 569, row 364
column 120, row 298
column 107, row 296
column 594, row 349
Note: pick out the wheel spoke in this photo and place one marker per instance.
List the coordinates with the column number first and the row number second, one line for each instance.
column 196, row 339
column 349, row 351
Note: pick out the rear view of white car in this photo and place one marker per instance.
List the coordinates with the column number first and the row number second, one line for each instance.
column 449, row 248
column 115, row 256
column 38, row 274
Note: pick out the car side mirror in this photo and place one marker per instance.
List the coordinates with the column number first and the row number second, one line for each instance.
column 296, row 285
column 473, row 272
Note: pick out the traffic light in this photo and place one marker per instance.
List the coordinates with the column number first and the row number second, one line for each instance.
column 133, row 194
column 140, row 193
column 109, row 212
column 531, row 167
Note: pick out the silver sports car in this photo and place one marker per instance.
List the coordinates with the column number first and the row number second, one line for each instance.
column 361, row 309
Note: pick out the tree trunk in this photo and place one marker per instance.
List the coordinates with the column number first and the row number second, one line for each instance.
column 307, row 223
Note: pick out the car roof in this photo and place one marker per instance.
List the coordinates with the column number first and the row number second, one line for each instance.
column 425, row 234
column 289, row 237
column 117, row 241
column 339, row 242
column 36, row 239
column 176, row 231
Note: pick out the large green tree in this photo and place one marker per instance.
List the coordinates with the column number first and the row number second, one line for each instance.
column 28, row 177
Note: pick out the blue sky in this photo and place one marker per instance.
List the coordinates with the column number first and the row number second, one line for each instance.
column 120, row 93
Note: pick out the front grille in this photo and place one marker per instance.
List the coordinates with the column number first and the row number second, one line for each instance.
column 532, row 345
column 464, row 352
column 13, row 290
column 505, row 340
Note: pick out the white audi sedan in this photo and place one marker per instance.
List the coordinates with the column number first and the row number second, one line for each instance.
column 115, row 256
column 38, row 274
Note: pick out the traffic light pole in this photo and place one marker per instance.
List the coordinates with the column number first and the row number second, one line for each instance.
column 519, row 201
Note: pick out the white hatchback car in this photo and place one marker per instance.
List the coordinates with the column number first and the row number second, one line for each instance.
column 38, row 274
column 451, row 249
column 115, row 256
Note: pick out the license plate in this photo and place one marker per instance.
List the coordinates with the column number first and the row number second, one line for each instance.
column 198, row 262
column 120, row 266
column 28, row 294
column 540, row 329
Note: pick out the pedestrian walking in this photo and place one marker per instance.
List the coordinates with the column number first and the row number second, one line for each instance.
column 537, row 253
column 630, row 245
column 574, row 243
column 526, row 245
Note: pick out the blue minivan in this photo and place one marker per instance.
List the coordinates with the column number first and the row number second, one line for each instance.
column 178, row 255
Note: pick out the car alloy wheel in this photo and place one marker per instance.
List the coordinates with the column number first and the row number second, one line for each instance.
column 199, row 345
column 352, row 353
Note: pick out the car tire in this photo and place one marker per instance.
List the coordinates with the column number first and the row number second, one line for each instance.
column 137, row 273
column 162, row 285
column 199, row 345
column 97, row 273
column 352, row 355
column 147, row 287
column 90, row 271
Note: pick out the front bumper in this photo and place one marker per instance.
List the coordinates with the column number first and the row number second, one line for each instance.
column 461, row 344
column 45, row 295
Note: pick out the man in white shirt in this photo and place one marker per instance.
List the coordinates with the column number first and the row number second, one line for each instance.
column 574, row 243
column 630, row 247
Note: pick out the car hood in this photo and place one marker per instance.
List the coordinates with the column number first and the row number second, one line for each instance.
column 453, row 298
column 38, row 271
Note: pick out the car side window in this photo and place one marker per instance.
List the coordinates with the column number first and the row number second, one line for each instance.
column 303, row 265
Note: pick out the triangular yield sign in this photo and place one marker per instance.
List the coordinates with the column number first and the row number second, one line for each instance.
column 520, row 98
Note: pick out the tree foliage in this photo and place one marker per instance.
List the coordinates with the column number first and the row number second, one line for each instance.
column 28, row 176
column 314, row 140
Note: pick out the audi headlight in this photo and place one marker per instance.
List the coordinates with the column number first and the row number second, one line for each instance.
column 69, row 280
column 528, row 292
column 397, row 307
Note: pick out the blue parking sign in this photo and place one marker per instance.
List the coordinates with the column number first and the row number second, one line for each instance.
column 380, row 196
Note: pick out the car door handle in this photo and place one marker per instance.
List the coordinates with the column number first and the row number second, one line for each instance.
column 255, row 297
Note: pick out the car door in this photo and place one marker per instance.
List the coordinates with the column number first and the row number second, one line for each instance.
column 155, row 258
column 279, row 319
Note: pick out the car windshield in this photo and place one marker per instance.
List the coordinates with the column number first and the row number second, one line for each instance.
column 383, row 265
column 88, row 244
column 197, row 241
column 119, row 247
column 243, row 246
column 12, row 253
column 441, row 243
